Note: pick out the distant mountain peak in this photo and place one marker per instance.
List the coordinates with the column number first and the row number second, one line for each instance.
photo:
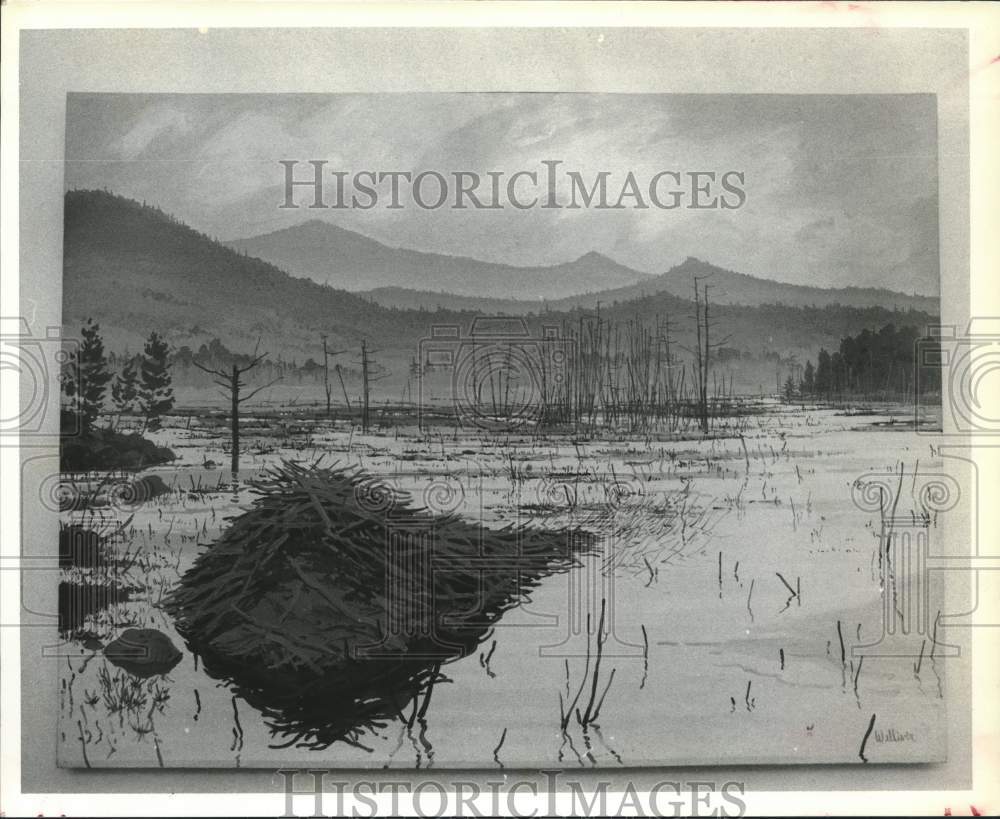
column 310, row 227
column 693, row 263
column 343, row 258
column 313, row 225
column 594, row 256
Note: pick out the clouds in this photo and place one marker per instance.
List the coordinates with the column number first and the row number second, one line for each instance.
column 840, row 189
column 161, row 122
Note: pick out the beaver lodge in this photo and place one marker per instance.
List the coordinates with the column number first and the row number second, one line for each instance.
column 332, row 603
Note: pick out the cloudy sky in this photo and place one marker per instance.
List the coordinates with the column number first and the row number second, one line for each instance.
column 840, row 190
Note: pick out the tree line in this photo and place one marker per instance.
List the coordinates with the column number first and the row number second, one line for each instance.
column 142, row 386
column 873, row 364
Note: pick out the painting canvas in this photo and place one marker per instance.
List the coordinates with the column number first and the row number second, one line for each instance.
column 498, row 430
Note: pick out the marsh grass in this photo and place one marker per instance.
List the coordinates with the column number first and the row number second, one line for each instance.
column 662, row 495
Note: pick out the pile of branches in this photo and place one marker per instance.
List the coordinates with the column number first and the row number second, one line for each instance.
column 334, row 600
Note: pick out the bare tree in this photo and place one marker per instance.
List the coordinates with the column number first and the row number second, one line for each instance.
column 370, row 372
column 700, row 356
column 703, row 350
column 364, row 382
column 343, row 387
column 326, row 373
column 665, row 362
column 232, row 383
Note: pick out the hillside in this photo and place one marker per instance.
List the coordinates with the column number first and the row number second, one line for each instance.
column 403, row 298
column 409, row 279
column 730, row 287
column 344, row 259
column 135, row 269
column 726, row 287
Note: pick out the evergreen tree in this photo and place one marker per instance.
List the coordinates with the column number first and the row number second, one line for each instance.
column 789, row 388
column 824, row 373
column 156, row 395
column 808, row 379
column 125, row 390
column 87, row 377
column 876, row 362
column 838, row 373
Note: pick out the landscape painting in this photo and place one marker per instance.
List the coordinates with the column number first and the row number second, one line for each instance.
column 499, row 430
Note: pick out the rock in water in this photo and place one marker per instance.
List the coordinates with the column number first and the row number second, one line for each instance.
column 148, row 487
column 143, row 652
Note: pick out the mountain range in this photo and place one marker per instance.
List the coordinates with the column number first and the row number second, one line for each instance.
column 347, row 260
column 398, row 277
column 134, row 269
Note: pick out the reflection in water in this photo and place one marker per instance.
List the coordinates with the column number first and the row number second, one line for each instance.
column 94, row 575
column 80, row 600
column 331, row 605
column 143, row 652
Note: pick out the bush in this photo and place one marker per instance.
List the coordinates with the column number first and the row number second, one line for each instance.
column 107, row 449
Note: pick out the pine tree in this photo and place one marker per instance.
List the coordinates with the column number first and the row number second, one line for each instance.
column 156, row 396
column 87, row 377
column 125, row 390
column 789, row 388
column 823, row 379
column 808, row 379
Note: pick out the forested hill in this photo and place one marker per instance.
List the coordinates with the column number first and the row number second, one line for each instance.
column 730, row 287
column 135, row 269
column 726, row 287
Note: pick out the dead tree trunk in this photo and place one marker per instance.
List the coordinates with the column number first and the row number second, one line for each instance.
column 702, row 353
column 327, row 386
column 343, row 386
column 326, row 376
column 704, row 375
column 234, row 390
column 700, row 368
column 364, row 382
column 232, row 383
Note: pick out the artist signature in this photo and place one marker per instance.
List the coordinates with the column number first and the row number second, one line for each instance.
column 892, row 735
